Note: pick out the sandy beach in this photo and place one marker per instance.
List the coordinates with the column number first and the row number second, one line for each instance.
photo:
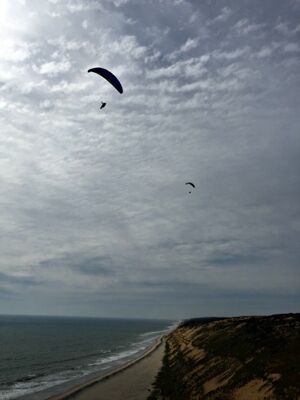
column 132, row 382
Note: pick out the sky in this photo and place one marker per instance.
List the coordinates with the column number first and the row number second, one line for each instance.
column 95, row 216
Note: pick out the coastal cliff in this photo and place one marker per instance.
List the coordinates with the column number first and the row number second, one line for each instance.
column 243, row 358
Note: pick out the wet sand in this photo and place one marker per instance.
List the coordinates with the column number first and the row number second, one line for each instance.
column 130, row 383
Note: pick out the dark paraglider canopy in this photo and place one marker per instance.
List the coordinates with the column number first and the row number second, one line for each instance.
column 102, row 105
column 109, row 76
column 190, row 183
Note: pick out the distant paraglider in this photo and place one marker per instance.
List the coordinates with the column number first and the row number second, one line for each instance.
column 109, row 76
column 190, row 183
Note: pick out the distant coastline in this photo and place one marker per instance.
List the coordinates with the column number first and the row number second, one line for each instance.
column 205, row 357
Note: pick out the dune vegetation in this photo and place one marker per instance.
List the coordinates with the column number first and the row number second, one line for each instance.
column 243, row 358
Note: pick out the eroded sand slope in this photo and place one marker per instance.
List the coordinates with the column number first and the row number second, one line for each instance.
column 244, row 358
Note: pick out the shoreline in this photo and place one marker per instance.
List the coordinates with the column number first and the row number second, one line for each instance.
column 115, row 371
column 72, row 388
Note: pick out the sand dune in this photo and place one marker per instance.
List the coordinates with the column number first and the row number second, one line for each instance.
column 245, row 358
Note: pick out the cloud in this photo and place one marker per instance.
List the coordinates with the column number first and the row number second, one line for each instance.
column 82, row 263
column 194, row 67
column 291, row 47
column 244, row 27
column 265, row 51
column 17, row 280
column 93, row 206
column 67, row 87
column 231, row 55
column 16, row 51
column 285, row 29
column 224, row 15
column 231, row 259
column 78, row 6
column 45, row 104
column 53, row 68
column 189, row 44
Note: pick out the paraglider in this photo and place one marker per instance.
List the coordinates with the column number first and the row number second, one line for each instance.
column 190, row 183
column 109, row 76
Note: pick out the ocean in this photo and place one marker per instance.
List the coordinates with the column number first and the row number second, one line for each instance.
column 38, row 353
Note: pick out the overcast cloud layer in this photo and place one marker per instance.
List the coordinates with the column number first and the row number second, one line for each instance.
column 95, row 218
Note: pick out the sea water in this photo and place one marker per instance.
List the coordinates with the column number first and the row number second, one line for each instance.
column 38, row 353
